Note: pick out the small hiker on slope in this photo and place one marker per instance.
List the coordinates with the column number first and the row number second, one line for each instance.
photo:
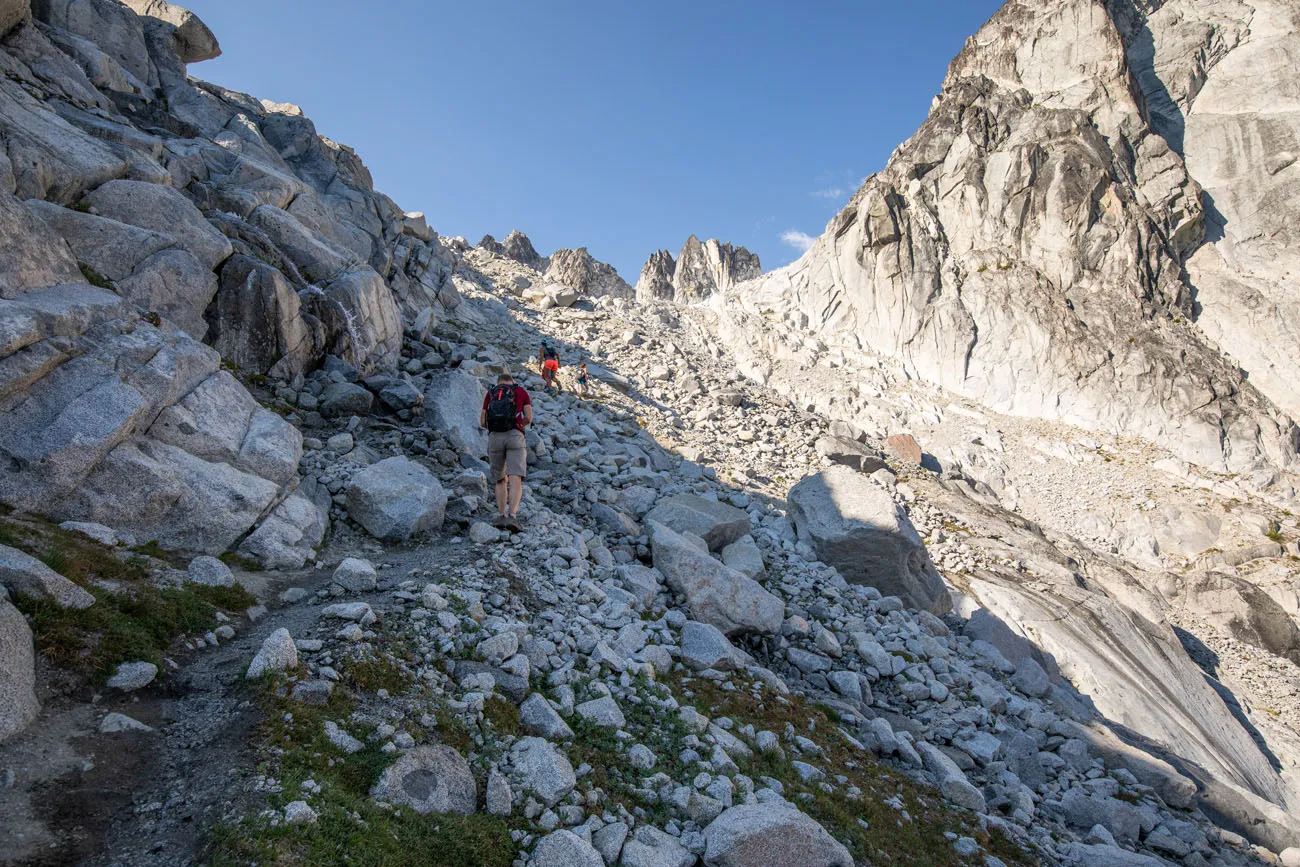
column 550, row 361
column 507, row 410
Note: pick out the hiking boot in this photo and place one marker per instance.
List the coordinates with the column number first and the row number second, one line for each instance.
column 512, row 524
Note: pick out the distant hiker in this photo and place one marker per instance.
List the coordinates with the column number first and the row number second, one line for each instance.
column 507, row 410
column 550, row 360
column 582, row 379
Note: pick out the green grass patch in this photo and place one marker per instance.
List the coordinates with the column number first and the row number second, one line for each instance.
column 873, row 830
column 234, row 561
column 351, row 829
column 598, row 746
column 131, row 619
column 503, row 715
column 366, row 836
column 93, row 277
column 378, row 671
column 232, row 598
column 453, row 731
column 138, row 624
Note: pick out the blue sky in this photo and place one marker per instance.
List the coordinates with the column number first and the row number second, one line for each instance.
column 621, row 126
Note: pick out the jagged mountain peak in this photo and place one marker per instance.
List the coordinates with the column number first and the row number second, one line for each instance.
column 700, row 270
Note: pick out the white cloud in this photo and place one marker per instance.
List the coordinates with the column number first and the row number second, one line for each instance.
column 829, row 193
column 801, row 241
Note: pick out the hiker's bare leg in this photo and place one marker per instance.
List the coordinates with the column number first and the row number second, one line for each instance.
column 501, row 496
column 516, row 494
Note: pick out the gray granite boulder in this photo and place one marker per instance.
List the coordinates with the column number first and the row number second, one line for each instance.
column 715, row 593
column 396, row 499
column 716, row 523
column 854, row 525
column 771, row 835
column 24, row 574
column 429, row 780
column 18, row 703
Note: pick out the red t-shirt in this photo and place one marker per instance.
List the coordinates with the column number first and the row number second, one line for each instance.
column 521, row 400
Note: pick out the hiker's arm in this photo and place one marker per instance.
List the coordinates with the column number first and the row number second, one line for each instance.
column 482, row 418
column 528, row 415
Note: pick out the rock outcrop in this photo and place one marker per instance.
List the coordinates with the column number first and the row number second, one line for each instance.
column 517, row 246
column 577, row 270
column 144, row 211
column 1026, row 248
column 699, row 271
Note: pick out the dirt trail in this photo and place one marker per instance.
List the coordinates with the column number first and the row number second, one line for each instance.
column 150, row 799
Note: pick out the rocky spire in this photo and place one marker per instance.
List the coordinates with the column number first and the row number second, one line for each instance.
column 656, row 281
column 518, row 247
column 700, row 270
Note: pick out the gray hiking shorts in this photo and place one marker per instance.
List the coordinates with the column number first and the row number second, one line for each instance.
column 507, row 455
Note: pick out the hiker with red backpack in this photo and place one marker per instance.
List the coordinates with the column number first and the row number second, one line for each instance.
column 507, row 410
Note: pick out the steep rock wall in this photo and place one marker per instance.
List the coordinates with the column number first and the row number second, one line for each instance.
column 1026, row 249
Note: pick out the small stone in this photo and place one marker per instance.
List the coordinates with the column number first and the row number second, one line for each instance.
column 641, row 757
column 355, row 575
column 498, row 800
column 210, row 572
column 341, row 739
column 117, row 722
column 131, row 676
column 299, row 813
column 483, row 534
column 565, row 849
column 539, row 717
column 278, row 653
column 603, row 711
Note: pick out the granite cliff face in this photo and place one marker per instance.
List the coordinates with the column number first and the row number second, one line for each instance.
column 699, row 271
column 1218, row 83
column 1039, row 245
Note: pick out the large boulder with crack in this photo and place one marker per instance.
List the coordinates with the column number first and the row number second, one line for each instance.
column 854, row 525
column 257, row 321
column 716, row 523
column 109, row 420
column 161, row 209
column 289, row 536
column 31, row 257
column 715, row 593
